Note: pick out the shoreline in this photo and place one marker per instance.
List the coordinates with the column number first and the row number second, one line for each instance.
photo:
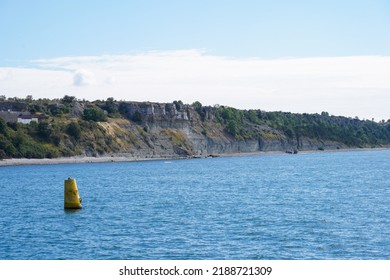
column 128, row 158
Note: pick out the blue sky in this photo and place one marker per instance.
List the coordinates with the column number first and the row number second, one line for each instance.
column 270, row 29
column 80, row 40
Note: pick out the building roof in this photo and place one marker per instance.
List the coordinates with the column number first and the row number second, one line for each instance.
column 11, row 116
column 27, row 116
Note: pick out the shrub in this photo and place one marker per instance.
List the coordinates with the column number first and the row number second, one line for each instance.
column 44, row 130
column 74, row 130
column 94, row 114
column 3, row 126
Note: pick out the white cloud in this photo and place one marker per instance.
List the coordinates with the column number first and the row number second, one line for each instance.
column 4, row 74
column 351, row 86
column 83, row 77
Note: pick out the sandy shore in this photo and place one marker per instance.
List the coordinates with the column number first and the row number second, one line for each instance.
column 129, row 158
column 66, row 160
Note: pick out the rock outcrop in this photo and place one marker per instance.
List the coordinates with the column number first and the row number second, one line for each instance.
column 177, row 130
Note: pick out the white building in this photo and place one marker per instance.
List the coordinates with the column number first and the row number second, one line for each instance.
column 19, row 117
column 25, row 119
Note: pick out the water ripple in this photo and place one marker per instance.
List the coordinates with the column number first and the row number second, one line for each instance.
column 305, row 206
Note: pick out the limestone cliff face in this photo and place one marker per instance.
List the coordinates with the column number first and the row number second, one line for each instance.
column 177, row 130
column 164, row 115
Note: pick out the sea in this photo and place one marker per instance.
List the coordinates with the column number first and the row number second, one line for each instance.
column 314, row 206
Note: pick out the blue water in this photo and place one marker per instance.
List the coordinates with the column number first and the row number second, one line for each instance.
column 305, row 206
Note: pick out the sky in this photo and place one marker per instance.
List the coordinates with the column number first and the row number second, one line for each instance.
column 295, row 56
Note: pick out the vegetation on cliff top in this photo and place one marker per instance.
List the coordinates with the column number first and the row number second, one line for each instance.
column 69, row 127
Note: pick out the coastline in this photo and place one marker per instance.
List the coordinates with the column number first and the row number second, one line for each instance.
column 130, row 158
column 73, row 160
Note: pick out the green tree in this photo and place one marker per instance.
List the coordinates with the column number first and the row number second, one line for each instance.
column 74, row 130
column 179, row 104
column 137, row 117
column 44, row 130
column 233, row 128
column 68, row 99
column 198, row 108
column 110, row 106
column 197, row 105
column 94, row 114
column 252, row 116
column 3, row 126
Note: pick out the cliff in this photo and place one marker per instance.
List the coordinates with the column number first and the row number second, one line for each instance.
column 171, row 129
column 175, row 130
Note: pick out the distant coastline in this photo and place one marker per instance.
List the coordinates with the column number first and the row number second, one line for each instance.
column 130, row 158
column 70, row 130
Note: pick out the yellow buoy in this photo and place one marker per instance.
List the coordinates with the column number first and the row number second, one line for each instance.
column 72, row 199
